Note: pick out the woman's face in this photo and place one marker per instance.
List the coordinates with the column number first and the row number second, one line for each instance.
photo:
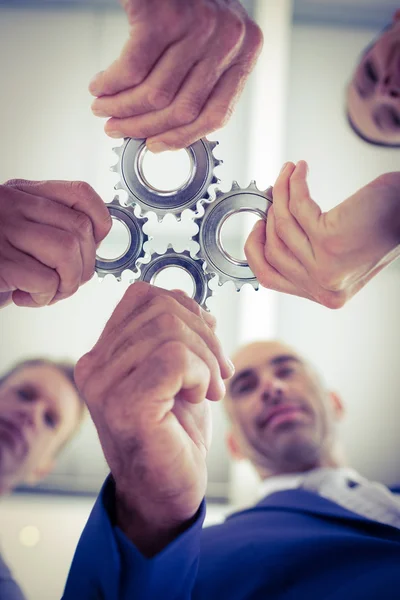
column 373, row 98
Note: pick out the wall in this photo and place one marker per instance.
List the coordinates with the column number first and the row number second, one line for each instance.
column 358, row 347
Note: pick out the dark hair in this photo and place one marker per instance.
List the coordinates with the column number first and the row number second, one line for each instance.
column 65, row 367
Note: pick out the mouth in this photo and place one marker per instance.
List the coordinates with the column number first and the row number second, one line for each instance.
column 284, row 414
column 13, row 436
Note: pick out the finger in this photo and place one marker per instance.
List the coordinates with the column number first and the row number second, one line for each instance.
column 25, row 276
column 54, row 248
column 306, row 212
column 182, row 371
column 55, row 215
column 159, row 89
column 138, row 343
column 188, row 302
column 286, row 226
column 267, row 275
column 215, row 114
column 138, row 56
column 143, row 303
column 77, row 195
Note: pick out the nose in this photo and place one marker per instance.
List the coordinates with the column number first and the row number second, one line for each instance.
column 273, row 390
column 30, row 415
column 391, row 86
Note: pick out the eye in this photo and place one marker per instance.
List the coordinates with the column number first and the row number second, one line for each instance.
column 371, row 71
column 26, row 394
column 244, row 385
column 284, row 372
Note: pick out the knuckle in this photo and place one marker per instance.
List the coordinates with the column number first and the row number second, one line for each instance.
column 16, row 182
column 206, row 22
column 281, row 227
column 83, row 368
column 167, row 321
column 159, row 98
column 177, row 352
column 83, row 225
column 186, row 112
column 70, row 246
column 235, row 28
column 255, row 38
column 332, row 300
column 80, row 188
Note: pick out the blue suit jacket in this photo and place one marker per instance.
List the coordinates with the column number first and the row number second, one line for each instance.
column 293, row 545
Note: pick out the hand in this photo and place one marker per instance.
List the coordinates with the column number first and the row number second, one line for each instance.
column 48, row 236
column 326, row 257
column 145, row 383
column 180, row 73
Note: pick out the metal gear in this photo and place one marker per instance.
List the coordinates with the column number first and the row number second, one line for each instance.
column 149, row 199
column 216, row 259
column 134, row 254
column 183, row 260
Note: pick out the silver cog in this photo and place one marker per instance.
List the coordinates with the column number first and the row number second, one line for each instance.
column 193, row 192
column 185, row 261
column 135, row 254
column 216, row 260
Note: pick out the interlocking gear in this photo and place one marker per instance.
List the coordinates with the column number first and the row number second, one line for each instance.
column 194, row 190
column 211, row 209
column 134, row 255
column 209, row 237
column 183, row 260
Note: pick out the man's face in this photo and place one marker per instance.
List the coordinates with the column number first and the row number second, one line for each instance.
column 283, row 419
column 373, row 97
column 39, row 409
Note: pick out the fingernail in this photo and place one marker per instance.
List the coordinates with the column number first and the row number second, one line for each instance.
column 115, row 134
column 157, row 147
column 42, row 299
column 98, row 112
column 94, row 87
column 231, row 365
column 283, row 168
column 222, row 387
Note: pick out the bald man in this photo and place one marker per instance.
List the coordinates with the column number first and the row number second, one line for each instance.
column 320, row 529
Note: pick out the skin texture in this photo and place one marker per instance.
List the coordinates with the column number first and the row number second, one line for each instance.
column 180, row 74
column 326, row 257
column 373, row 95
column 49, row 231
column 282, row 417
column 145, row 383
column 39, row 410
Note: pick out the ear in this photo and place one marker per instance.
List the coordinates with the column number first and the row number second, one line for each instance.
column 40, row 472
column 337, row 405
column 233, row 446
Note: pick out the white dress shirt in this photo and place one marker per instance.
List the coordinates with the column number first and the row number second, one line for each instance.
column 344, row 486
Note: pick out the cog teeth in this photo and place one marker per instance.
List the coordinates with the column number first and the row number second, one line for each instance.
column 114, row 168
column 252, row 185
column 235, row 185
column 118, row 186
column 118, row 150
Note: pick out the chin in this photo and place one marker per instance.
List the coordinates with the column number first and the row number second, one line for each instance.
column 299, row 453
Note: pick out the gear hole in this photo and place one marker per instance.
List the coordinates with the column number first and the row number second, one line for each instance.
column 175, row 278
column 116, row 244
column 165, row 173
column 233, row 233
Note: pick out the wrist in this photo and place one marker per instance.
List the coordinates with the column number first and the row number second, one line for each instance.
column 151, row 530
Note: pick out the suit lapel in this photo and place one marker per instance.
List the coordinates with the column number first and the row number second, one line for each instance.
column 299, row 500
